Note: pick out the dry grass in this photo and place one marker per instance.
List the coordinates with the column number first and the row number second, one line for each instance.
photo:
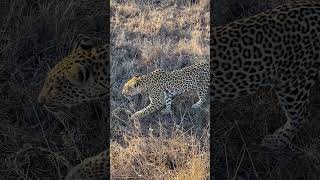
column 175, row 156
column 147, row 35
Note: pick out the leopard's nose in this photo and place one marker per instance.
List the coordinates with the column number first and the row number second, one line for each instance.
column 42, row 100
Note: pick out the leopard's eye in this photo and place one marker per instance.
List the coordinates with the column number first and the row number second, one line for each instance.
column 78, row 75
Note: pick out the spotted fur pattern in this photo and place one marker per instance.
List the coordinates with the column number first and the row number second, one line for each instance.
column 278, row 48
column 162, row 86
column 80, row 77
column 92, row 168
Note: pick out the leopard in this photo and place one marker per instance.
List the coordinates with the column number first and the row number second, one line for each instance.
column 80, row 77
column 91, row 168
column 161, row 86
column 278, row 48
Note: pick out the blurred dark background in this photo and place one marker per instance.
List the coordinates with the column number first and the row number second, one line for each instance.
column 34, row 35
column 238, row 126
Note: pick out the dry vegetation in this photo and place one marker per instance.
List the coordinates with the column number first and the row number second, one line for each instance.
column 179, row 155
column 35, row 34
column 147, row 35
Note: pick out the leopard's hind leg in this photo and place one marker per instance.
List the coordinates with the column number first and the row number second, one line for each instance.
column 294, row 100
column 202, row 94
column 168, row 96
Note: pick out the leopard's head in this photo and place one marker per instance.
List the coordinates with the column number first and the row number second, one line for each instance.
column 133, row 86
column 79, row 77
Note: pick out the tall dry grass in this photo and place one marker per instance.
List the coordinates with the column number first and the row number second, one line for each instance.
column 147, row 35
column 168, row 155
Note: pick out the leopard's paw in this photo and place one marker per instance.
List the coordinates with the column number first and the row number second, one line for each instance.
column 275, row 142
column 196, row 106
column 136, row 116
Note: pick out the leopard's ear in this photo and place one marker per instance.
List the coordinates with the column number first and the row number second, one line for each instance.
column 86, row 43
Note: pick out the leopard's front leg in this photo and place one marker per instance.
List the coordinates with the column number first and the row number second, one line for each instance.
column 144, row 112
column 156, row 101
column 297, row 109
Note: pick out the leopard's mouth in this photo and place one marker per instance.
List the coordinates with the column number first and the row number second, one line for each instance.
column 54, row 108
